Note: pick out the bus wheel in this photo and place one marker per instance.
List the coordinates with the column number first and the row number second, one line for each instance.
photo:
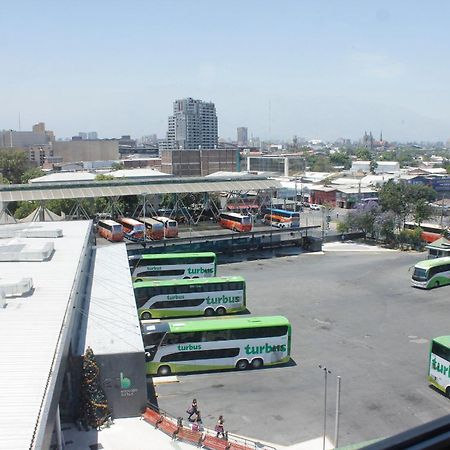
column 447, row 392
column 138, row 280
column 436, row 285
column 221, row 311
column 163, row 371
column 146, row 316
column 257, row 363
column 186, row 278
column 209, row 312
column 242, row 364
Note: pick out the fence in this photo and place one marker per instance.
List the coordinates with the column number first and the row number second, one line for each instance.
column 205, row 438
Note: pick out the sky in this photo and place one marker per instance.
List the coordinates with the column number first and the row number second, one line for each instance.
column 315, row 69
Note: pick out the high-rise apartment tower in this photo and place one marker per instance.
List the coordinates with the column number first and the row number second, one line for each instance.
column 193, row 125
column 242, row 136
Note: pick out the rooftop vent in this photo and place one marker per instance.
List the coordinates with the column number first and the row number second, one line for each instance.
column 20, row 250
column 16, row 288
column 29, row 231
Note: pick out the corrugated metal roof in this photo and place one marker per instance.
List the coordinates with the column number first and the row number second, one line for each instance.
column 112, row 321
column 50, row 191
column 30, row 334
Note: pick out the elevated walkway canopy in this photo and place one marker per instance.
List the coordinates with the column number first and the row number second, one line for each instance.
column 118, row 188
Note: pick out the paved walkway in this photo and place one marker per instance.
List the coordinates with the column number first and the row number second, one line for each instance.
column 350, row 246
column 135, row 434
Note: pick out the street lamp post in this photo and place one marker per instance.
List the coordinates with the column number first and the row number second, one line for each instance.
column 326, row 372
column 144, row 211
column 338, row 401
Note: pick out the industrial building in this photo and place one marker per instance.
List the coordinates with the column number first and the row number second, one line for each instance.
column 58, row 295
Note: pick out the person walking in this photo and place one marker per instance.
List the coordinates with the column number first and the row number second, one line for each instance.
column 219, row 427
column 197, row 423
column 192, row 410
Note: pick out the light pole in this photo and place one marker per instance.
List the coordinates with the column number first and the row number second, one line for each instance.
column 338, row 404
column 295, row 204
column 326, row 372
column 144, row 211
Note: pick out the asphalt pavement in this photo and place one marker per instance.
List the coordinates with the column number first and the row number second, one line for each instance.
column 352, row 311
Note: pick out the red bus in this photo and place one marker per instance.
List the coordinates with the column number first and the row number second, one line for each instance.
column 235, row 221
column 430, row 232
column 132, row 228
column 154, row 228
column 110, row 230
column 170, row 226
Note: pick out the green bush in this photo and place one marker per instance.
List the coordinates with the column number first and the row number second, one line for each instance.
column 411, row 238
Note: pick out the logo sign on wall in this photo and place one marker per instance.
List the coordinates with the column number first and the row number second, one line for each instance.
column 123, row 383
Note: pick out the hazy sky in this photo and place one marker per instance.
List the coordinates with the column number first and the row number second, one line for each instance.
column 327, row 69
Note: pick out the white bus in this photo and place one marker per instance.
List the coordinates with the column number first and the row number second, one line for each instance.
column 439, row 364
column 215, row 344
column 181, row 298
column 431, row 273
column 173, row 265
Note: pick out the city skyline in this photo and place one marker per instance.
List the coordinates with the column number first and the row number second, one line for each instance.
column 324, row 71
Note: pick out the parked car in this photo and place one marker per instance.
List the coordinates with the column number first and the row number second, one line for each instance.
column 315, row 207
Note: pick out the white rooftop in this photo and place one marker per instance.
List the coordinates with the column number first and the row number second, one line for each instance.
column 225, row 174
column 137, row 173
column 30, row 328
column 62, row 177
column 112, row 325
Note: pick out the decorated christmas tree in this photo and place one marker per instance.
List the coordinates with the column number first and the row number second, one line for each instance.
column 94, row 409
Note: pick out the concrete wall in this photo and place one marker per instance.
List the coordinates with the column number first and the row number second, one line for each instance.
column 95, row 150
column 124, row 382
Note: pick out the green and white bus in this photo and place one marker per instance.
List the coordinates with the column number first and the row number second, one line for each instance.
column 215, row 344
column 439, row 364
column 431, row 273
column 181, row 298
column 173, row 265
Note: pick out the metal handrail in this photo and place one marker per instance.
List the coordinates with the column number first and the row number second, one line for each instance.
column 210, row 432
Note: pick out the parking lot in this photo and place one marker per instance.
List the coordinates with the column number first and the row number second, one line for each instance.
column 355, row 313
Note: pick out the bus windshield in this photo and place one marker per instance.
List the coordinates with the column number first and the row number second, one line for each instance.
column 419, row 274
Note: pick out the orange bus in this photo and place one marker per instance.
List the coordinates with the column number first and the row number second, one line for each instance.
column 430, row 232
column 154, row 228
column 132, row 228
column 170, row 226
column 235, row 221
column 110, row 230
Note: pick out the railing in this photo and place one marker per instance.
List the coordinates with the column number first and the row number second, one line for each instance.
column 205, row 437
column 224, row 243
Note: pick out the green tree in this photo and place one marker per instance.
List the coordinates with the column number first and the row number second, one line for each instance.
column 3, row 180
column 363, row 154
column 24, row 209
column 102, row 177
column 404, row 199
column 421, row 210
column 13, row 164
column 373, row 166
column 341, row 159
column 117, row 166
column 29, row 174
column 321, row 164
column 94, row 409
